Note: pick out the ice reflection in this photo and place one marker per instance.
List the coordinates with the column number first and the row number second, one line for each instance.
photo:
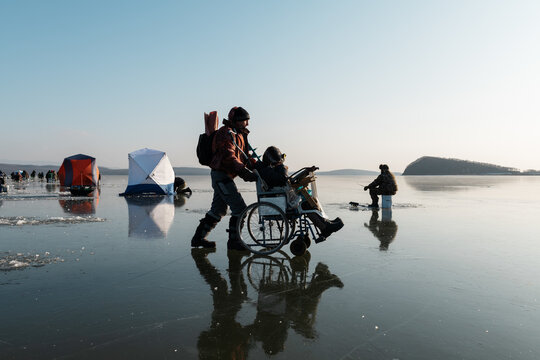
column 455, row 183
column 180, row 199
column 384, row 230
column 51, row 187
column 150, row 217
column 287, row 298
column 78, row 206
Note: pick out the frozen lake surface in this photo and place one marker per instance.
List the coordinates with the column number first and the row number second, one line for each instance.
column 450, row 273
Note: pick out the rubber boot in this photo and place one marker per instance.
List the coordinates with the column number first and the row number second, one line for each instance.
column 324, row 279
column 205, row 226
column 331, row 227
column 234, row 242
column 374, row 199
column 325, row 226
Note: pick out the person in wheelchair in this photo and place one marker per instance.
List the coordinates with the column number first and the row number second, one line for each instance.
column 275, row 174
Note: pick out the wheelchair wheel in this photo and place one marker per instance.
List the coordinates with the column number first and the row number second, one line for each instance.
column 264, row 270
column 263, row 228
column 298, row 247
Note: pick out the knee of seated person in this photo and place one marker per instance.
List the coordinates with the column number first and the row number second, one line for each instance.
column 306, row 206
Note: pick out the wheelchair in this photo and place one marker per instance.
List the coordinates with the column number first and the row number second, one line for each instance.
column 278, row 218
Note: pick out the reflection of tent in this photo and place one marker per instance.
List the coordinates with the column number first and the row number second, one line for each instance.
column 79, row 170
column 79, row 207
column 150, row 216
column 150, row 171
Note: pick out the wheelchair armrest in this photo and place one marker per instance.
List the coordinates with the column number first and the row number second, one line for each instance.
column 302, row 173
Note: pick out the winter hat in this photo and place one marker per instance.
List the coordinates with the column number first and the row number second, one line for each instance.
column 238, row 113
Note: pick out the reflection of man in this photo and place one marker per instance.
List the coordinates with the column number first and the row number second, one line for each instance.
column 303, row 302
column 3, row 188
column 270, row 326
column 226, row 338
column 384, row 184
column 282, row 304
column 384, row 230
column 293, row 304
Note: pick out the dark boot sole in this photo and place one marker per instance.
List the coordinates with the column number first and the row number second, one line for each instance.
column 206, row 245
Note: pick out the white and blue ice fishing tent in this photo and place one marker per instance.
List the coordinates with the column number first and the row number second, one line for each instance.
column 150, row 172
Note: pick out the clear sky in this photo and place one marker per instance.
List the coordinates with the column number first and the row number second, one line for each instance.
column 338, row 84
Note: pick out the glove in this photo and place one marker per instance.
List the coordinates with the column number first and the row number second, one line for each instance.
column 247, row 175
column 366, row 187
column 252, row 162
column 258, row 165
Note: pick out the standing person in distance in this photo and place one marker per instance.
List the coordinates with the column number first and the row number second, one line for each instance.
column 230, row 159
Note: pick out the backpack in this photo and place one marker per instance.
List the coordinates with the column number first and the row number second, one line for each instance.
column 204, row 148
column 204, row 145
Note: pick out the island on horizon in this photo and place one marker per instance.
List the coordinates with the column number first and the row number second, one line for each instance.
column 431, row 165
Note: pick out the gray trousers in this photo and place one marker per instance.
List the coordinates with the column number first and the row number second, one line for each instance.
column 225, row 194
column 373, row 192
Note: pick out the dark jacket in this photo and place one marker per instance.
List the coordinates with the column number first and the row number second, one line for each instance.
column 227, row 156
column 386, row 183
column 274, row 175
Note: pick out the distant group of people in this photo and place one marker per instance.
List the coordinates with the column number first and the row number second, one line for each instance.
column 232, row 157
column 21, row 175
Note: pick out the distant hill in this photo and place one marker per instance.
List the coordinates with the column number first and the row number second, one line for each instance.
column 348, row 172
column 429, row 165
column 9, row 168
column 191, row 171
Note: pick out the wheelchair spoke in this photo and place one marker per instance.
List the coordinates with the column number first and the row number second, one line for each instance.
column 264, row 228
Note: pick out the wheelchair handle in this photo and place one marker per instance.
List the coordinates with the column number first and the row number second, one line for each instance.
column 299, row 172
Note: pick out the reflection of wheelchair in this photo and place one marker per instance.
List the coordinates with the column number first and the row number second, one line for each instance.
column 278, row 218
column 278, row 270
column 278, row 276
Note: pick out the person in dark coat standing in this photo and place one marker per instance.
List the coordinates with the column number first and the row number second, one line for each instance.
column 230, row 159
column 384, row 184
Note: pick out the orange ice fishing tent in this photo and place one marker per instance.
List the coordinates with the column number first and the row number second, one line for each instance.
column 79, row 170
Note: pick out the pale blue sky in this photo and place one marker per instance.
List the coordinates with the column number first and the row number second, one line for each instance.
column 339, row 84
